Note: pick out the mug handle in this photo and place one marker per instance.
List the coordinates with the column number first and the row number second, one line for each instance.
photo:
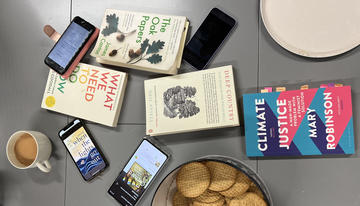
column 44, row 166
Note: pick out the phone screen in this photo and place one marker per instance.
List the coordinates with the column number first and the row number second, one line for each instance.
column 211, row 33
column 137, row 174
column 69, row 44
column 84, row 153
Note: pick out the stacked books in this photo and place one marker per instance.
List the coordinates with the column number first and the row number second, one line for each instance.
column 191, row 101
column 91, row 93
column 150, row 42
column 300, row 122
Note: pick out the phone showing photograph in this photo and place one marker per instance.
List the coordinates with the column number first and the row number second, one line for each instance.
column 83, row 150
column 138, row 173
column 208, row 38
column 69, row 45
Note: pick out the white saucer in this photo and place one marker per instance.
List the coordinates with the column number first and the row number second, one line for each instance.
column 313, row 28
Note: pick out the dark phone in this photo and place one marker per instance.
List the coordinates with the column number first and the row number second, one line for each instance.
column 69, row 45
column 143, row 166
column 208, row 38
column 83, row 149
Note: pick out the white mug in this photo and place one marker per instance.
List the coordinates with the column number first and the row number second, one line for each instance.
column 42, row 155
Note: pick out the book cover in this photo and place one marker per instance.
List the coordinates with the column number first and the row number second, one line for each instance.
column 301, row 122
column 138, row 40
column 91, row 93
column 192, row 101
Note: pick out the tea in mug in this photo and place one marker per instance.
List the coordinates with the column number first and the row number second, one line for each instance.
column 25, row 149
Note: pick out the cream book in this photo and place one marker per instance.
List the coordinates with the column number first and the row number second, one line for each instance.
column 192, row 101
column 144, row 41
column 91, row 93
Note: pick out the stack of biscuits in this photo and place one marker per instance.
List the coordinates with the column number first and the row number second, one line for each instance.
column 212, row 183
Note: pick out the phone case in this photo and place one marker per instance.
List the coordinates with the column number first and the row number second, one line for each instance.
column 163, row 149
column 55, row 36
column 219, row 47
column 159, row 146
column 66, row 129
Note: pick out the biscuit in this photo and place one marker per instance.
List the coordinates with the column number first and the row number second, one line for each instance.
column 222, row 175
column 248, row 199
column 180, row 200
column 227, row 200
column 193, row 179
column 219, row 202
column 255, row 189
column 252, row 184
column 208, row 196
column 241, row 185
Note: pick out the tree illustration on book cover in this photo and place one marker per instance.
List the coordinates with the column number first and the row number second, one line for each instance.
column 146, row 51
column 178, row 102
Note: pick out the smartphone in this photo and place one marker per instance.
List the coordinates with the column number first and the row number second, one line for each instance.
column 208, row 38
column 83, row 150
column 69, row 45
column 143, row 166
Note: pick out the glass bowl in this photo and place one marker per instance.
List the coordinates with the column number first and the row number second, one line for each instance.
column 167, row 188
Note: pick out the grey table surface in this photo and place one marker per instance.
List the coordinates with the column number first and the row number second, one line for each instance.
column 258, row 62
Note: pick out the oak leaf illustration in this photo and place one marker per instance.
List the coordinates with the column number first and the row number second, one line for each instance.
column 155, row 47
column 112, row 27
column 154, row 59
column 144, row 45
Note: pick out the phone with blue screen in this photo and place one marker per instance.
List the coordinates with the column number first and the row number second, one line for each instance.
column 144, row 164
column 69, row 45
column 83, row 149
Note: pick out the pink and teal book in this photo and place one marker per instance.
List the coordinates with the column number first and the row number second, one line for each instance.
column 301, row 122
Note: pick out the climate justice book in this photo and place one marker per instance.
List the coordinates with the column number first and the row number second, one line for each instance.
column 301, row 122
column 192, row 101
column 92, row 93
column 144, row 41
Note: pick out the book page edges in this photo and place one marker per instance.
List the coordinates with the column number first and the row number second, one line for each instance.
column 191, row 130
column 131, row 66
column 182, row 45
